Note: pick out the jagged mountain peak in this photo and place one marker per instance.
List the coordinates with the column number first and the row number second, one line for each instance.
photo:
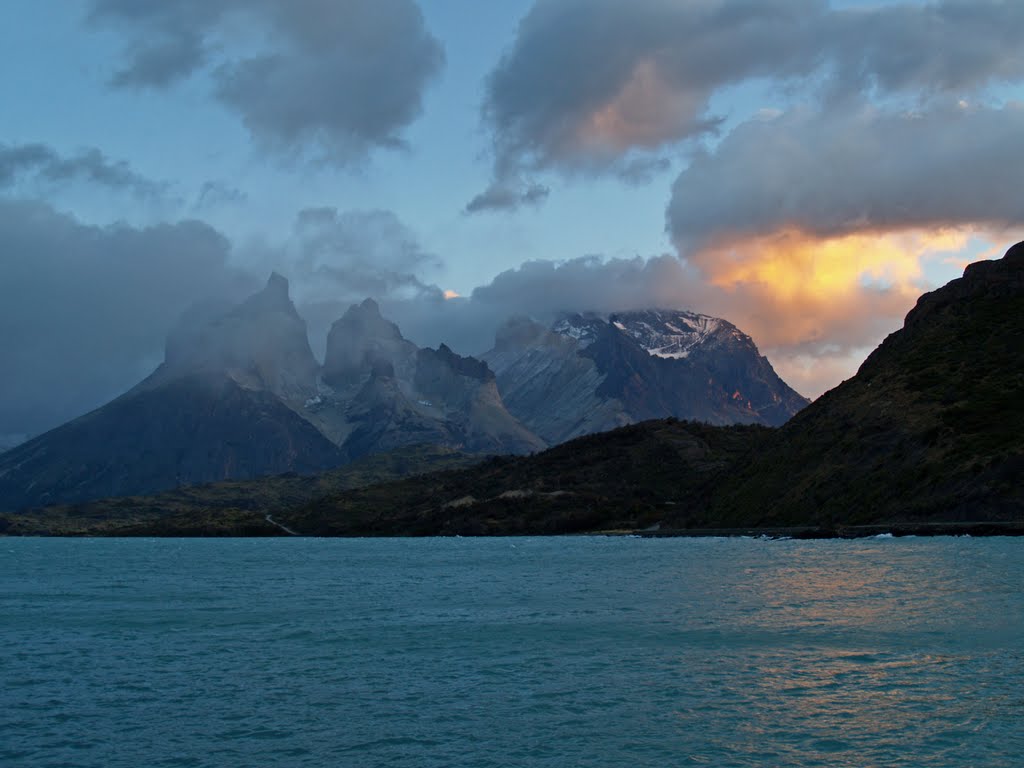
column 260, row 343
column 361, row 339
column 277, row 284
column 275, row 297
column 365, row 318
column 665, row 333
column 607, row 370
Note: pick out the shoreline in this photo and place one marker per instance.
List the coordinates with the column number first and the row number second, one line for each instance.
column 896, row 530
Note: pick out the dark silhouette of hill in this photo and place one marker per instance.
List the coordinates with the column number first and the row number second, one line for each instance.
column 930, row 428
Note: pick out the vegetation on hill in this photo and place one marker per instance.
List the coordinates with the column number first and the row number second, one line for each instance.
column 227, row 508
column 931, row 428
column 628, row 478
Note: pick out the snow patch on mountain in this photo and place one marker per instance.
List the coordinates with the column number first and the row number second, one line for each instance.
column 583, row 328
column 671, row 334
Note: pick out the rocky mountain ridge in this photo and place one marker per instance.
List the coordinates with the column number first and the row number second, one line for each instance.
column 240, row 394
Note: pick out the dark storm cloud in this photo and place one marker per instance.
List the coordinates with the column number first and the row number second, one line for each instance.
column 84, row 310
column 40, row 162
column 856, row 170
column 593, row 85
column 337, row 77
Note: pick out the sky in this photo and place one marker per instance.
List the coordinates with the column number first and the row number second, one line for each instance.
column 803, row 168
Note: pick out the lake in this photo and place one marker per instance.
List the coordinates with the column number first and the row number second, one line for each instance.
column 580, row 651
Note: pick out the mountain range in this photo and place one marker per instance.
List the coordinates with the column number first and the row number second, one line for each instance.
column 926, row 438
column 241, row 395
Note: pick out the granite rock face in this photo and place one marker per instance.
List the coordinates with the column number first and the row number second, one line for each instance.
column 362, row 338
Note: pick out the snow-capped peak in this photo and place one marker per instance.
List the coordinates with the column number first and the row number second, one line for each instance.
column 670, row 334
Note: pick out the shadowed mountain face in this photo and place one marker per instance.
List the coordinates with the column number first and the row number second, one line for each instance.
column 928, row 432
column 587, row 374
column 184, row 431
column 361, row 339
column 930, row 427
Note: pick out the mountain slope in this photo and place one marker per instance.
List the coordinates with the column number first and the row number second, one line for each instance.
column 931, row 427
column 262, row 344
column 188, row 430
column 926, row 438
column 588, row 374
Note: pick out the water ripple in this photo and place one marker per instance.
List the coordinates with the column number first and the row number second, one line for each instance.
column 554, row 652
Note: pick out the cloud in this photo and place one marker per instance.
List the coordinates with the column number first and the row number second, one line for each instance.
column 855, row 170
column 592, row 86
column 39, row 162
column 335, row 78
column 505, row 195
column 217, row 193
column 818, row 225
column 84, row 310
column 353, row 254
column 543, row 290
column 336, row 258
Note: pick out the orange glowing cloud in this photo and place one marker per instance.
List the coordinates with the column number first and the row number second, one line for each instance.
column 817, row 305
column 799, row 289
column 646, row 112
column 450, row 294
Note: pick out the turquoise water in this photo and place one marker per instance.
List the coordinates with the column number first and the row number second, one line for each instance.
column 511, row 652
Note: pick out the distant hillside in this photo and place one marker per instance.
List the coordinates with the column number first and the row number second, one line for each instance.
column 630, row 477
column 237, row 507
